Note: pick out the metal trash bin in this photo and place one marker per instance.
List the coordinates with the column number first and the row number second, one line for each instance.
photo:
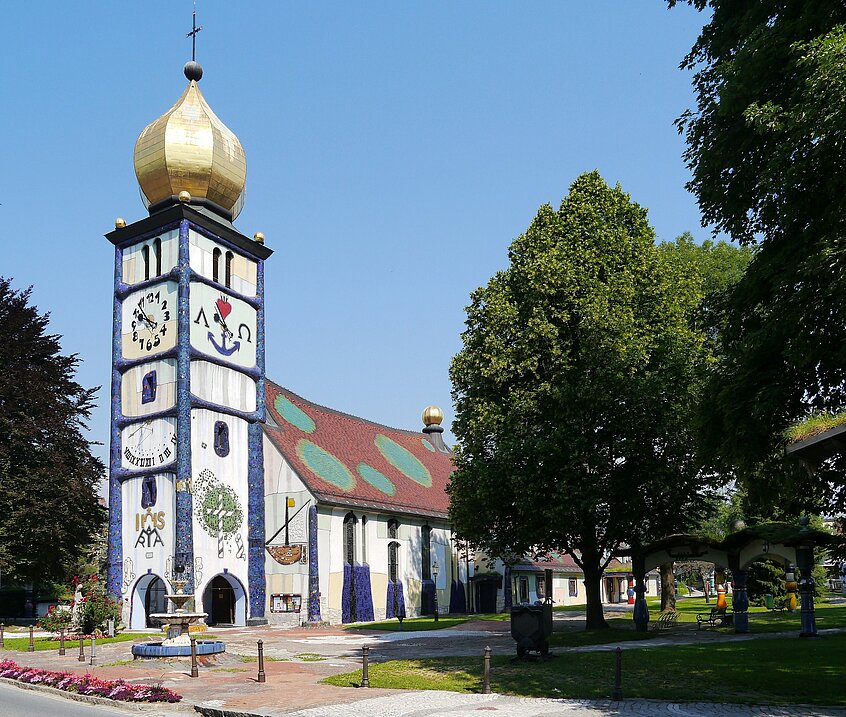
column 531, row 625
column 768, row 601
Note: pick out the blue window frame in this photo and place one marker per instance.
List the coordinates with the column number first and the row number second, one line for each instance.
column 221, row 439
column 148, row 387
column 148, row 492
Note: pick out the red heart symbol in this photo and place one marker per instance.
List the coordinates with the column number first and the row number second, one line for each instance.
column 223, row 308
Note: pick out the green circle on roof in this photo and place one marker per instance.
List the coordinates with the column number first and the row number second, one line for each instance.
column 324, row 465
column 428, row 446
column 378, row 480
column 293, row 414
column 403, row 460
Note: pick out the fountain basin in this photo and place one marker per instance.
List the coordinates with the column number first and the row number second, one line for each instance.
column 159, row 649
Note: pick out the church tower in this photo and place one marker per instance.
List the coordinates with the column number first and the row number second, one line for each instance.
column 186, row 485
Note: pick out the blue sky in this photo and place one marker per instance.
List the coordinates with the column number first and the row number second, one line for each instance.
column 394, row 151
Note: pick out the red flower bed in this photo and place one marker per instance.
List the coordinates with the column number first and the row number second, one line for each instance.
column 87, row 684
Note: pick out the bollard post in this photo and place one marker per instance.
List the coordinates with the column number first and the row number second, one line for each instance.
column 93, row 660
column 194, row 671
column 365, row 678
column 617, row 694
column 2, row 636
column 62, row 641
column 31, row 641
column 261, row 676
column 81, row 657
column 486, row 685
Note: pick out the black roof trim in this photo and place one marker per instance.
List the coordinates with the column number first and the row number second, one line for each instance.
column 174, row 213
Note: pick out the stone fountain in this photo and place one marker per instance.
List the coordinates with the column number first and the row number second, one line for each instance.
column 178, row 640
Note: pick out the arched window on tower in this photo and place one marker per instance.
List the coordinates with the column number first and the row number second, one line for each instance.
column 229, row 258
column 426, row 552
column 157, row 253
column 216, row 264
column 363, row 539
column 145, row 259
column 349, row 538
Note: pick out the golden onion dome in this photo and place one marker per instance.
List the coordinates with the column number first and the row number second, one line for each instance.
column 432, row 416
column 188, row 149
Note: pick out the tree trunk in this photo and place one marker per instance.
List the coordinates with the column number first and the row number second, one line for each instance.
column 594, row 616
column 705, row 587
column 668, row 588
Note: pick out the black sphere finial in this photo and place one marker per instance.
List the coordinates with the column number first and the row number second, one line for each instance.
column 193, row 70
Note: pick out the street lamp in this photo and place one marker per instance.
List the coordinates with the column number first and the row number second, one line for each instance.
column 435, row 568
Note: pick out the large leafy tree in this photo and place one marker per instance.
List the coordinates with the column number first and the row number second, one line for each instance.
column 575, row 390
column 767, row 147
column 49, row 507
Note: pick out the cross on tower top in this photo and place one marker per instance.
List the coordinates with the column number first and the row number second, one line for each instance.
column 193, row 33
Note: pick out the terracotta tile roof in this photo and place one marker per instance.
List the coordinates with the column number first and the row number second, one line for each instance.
column 349, row 461
column 559, row 562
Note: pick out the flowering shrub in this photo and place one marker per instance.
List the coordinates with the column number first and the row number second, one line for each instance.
column 56, row 619
column 87, row 684
column 96, row 606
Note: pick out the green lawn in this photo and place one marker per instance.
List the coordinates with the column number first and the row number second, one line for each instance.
column 21, row 644
column 774, row 670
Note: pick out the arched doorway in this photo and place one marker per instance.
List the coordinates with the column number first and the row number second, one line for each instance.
column 225, row 601
column 148, row 598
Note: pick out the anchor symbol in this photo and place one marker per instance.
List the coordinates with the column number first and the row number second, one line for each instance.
column 223, row 309
column 223, row 349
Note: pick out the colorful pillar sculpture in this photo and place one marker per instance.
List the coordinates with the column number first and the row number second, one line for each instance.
column 630, row 593
column 722, row 603
column 741, row 602
column 791, row 587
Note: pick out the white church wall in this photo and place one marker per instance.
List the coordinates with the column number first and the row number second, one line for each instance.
column 132, row 391
column 148, row 527
column 133, row 262
column 201, row 253
column 223, row 386
column 219, row 487
column 287, row 581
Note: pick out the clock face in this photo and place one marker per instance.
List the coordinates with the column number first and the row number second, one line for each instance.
column 223, row 326
column 149, row 444
column 149, row 321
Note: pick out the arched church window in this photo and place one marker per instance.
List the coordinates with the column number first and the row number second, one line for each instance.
column 363, row 538
column 221, row 438
column 148, row 492
column 157, row 254
column 229, row 258
column 349, row 538
column 145, row 259
column 426, row 552
column 393, row 560
column 216, row 264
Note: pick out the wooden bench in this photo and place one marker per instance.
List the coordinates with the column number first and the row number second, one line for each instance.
column 666, row 621
column 718, row 617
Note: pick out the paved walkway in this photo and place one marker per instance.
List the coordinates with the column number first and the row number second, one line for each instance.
column 297, row 659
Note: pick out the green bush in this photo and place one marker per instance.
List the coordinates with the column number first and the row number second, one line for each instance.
column 97, row 610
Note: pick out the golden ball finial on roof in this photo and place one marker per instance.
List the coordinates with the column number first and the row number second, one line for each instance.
column 188, row 149
column 120, row 223
column 258, row 237
column 432, row 416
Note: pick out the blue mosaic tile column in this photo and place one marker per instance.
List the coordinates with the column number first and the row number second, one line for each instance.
column 184, row 500
column 115, row 559
column 313, row 568
column 255, row 473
